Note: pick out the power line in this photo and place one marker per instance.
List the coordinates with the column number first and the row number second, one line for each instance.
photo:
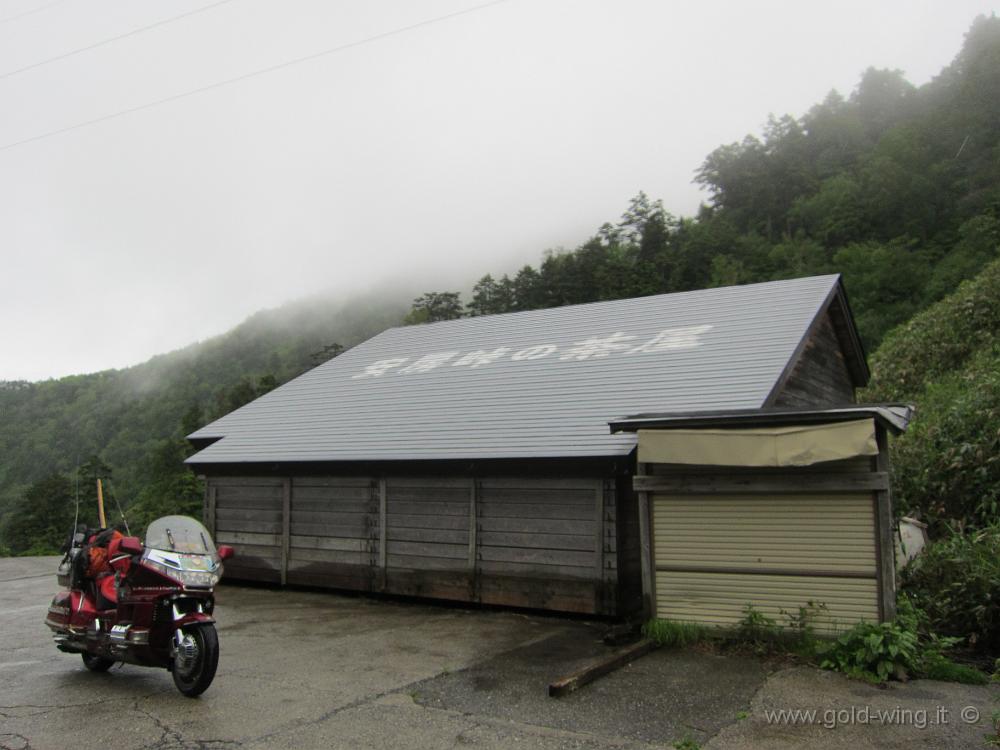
column 133, row 32
column 252, row 74
column 8, row 19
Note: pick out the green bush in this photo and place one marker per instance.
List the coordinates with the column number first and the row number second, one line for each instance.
column 956, row 582
column 907, row 647
column 939, row 340
column 946, row 360
column 946, row 468
column 873, row 652
column 671, row 633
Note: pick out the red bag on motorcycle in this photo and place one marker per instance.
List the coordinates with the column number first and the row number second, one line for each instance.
column 99, row 555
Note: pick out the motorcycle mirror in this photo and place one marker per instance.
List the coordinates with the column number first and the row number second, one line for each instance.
column 225, row 551
column 130, row 545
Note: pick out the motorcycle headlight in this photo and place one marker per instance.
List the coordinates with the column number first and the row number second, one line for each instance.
column 187, row 578
column 197, row 578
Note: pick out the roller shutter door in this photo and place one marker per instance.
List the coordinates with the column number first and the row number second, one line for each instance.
column 714, row 554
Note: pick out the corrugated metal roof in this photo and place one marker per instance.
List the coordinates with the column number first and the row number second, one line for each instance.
column 542, row 383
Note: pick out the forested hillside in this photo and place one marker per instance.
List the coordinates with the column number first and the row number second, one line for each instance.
column 895, row 186
column 129, row 425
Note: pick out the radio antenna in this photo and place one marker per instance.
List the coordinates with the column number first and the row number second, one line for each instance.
column 114, row 496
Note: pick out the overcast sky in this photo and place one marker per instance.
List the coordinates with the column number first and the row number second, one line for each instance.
column 431, row 142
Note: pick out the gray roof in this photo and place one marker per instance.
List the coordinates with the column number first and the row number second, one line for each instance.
column 542, row 383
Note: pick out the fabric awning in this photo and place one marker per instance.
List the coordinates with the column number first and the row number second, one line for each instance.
column 798, row 445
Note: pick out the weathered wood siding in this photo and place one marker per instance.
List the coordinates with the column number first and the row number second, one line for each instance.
column 629, row 578
column 519, row 541
column 333, row 532
column 539, row 543
column 248, row 515
column 819, row 377
column 427, row 537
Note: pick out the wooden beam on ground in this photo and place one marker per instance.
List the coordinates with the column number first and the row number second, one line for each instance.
column 599, row 668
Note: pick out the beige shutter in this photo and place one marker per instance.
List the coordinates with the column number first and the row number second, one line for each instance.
column 714, row 554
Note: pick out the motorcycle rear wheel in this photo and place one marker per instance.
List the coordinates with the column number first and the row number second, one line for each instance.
column 195, row 680
column 97, row 663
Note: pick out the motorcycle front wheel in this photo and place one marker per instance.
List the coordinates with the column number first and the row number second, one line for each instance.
column 97, row 663
column 197, row 659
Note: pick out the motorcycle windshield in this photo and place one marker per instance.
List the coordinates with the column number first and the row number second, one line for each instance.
column 180, row 534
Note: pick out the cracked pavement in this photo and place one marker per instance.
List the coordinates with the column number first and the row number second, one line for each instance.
column 306, row 669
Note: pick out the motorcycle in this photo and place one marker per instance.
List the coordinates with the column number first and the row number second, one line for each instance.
column 147, row 604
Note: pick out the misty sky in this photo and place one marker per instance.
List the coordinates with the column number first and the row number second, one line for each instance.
column 459, row 146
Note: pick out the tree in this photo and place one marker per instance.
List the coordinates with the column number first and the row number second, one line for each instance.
column 41, row 522
column 485, row 297
column 527, row 289
column 328, row 352
column 435, row 306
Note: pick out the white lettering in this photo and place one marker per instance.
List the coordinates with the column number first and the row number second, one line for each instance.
column 598, row 348
column 428, row 362
column 377, row 369
column 534, row 352
column 481, row 357
column 673, row 338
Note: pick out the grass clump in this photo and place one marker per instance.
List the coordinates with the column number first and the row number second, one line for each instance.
column 672, row 633
column 949, row 671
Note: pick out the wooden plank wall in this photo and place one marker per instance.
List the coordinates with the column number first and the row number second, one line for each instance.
column 820, row 376
column 248, row 515
column 333, row 532
column 539, row 543
column 527, row 542
column 427, row 537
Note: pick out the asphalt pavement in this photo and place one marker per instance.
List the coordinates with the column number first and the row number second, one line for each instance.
column 303, row 669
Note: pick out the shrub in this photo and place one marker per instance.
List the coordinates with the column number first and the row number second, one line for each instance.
column 671, row 633
column 946, row 468
column 939, row 340
column 956, row 582
column 873, row 652
column 946, row 360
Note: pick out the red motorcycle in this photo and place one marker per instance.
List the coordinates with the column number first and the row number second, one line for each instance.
column 149, row 604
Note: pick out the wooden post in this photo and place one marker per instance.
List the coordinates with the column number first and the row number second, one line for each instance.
column 599, row 546
column 286, row 527
column 100, row 505
column 646, row 551
column 383, row 535
column 210, row 500
column 473, row 539
column 473, row 530
column 884, row 546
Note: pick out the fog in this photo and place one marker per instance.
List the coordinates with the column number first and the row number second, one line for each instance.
column 335, row 147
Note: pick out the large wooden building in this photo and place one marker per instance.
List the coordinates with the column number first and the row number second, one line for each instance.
column 473, row 460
